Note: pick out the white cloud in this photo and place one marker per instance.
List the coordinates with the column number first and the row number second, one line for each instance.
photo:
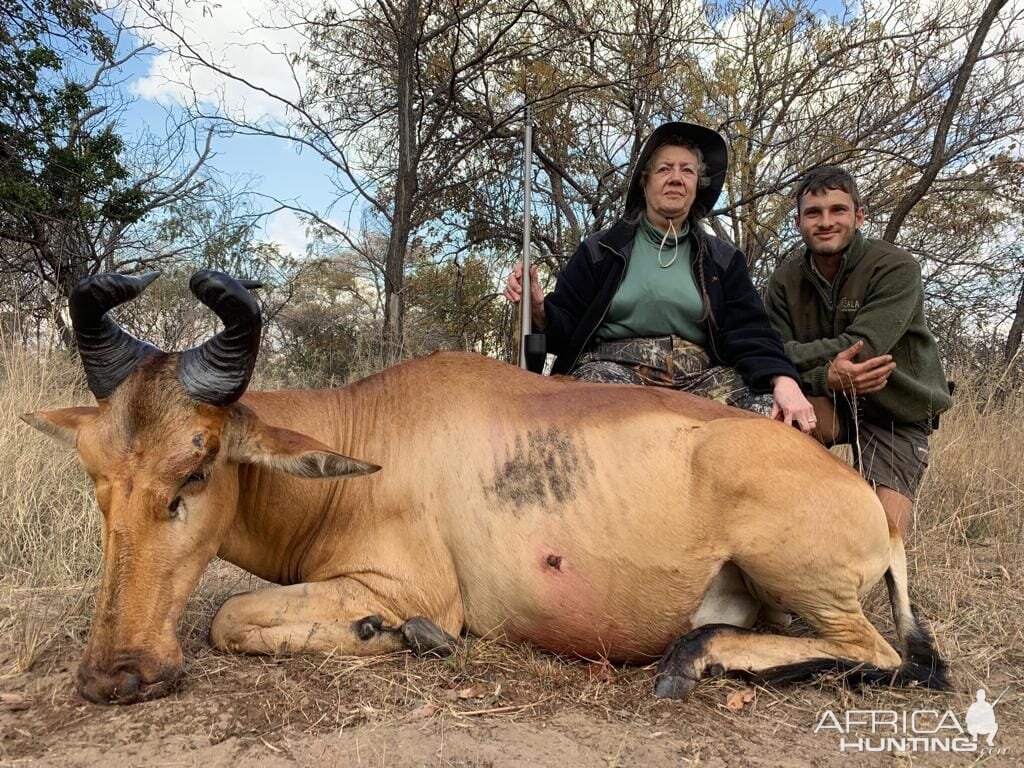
column 287, row 230
column 248, row 40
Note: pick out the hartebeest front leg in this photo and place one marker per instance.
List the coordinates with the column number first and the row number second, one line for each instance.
column 340, row 616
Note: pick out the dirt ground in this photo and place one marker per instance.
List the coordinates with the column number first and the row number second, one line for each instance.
column 492, row 704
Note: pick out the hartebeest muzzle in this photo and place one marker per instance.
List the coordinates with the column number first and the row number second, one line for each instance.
column 127, row 677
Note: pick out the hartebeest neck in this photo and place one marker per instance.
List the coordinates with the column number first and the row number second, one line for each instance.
column 281, row 520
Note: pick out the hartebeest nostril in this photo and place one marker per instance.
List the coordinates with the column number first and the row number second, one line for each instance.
column 127, row 688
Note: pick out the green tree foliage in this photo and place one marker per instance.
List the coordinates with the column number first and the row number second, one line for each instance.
column 323, row 333
column 451, row 305
column 75, row 198
column 60, row 168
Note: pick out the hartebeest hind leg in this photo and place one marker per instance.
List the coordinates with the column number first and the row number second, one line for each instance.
column 848, row 642
column 340, row 616
column 717, row 648
column 770, row 531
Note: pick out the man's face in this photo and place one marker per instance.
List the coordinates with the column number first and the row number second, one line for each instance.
column 827, row 221
column 671, row 185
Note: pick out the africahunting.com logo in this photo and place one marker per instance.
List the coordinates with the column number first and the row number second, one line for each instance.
column 918, row 730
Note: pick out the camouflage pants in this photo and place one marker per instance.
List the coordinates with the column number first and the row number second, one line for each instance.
column 668, row 361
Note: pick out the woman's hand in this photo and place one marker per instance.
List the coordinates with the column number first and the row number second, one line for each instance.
column 514, row 293
column 790, row 406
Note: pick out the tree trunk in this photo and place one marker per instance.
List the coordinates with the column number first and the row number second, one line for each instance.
column 1016, row 329
column 938, row 155
column 394, row 282
column 405, row 188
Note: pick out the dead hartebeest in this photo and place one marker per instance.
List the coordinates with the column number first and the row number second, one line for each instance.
column 605, row 521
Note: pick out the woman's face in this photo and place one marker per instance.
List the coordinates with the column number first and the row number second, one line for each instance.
column 671, row 185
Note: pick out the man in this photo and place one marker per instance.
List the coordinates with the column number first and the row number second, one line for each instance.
column 656, row 300
column 851, row 314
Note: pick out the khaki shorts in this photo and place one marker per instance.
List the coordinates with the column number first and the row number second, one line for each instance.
column 893, row 455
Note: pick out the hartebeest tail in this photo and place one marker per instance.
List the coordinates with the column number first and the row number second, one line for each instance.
column 922, row 665
column 921, row 661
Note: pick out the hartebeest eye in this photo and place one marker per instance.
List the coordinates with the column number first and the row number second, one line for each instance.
column 199, row 476
column 191, row 483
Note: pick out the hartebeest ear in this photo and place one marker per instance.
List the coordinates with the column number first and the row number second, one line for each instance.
column 62, row 424
column 254, row 442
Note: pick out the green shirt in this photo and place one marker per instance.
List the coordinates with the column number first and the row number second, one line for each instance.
column 658, row 295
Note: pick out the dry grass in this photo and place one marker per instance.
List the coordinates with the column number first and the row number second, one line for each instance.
column 48, row 529
column 49, row 534
column 966, row 557
column 967, row 553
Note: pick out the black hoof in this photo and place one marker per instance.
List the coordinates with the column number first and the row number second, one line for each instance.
column 685, row 662
column 673, row 686
column 425, row 638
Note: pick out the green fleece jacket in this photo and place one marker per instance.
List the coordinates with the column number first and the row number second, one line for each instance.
column 877, row 298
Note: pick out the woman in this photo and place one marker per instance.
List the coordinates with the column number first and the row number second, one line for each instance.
column 654, row 299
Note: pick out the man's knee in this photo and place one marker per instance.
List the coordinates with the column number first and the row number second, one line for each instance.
column 898, row 509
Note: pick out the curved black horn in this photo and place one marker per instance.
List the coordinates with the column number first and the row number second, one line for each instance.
column 109, row 353
column 217, row 371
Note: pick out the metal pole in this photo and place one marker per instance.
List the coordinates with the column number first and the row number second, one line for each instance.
column 527, row 180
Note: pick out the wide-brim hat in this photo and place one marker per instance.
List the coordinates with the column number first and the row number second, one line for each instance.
column 716, row 160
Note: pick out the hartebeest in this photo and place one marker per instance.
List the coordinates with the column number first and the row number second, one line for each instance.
column 598, row 520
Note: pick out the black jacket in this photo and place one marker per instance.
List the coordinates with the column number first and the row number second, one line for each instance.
column 738, row 331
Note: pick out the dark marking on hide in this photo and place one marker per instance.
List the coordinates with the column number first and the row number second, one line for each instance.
column 550, row 467
column 197, row 440
column 555, row 561
column 109, row 602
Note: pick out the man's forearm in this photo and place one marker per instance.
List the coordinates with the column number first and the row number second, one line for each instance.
column 808, row 355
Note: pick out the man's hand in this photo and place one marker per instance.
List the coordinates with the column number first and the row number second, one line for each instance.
column 514, row 293
column 790, row 406
column 872, row 375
